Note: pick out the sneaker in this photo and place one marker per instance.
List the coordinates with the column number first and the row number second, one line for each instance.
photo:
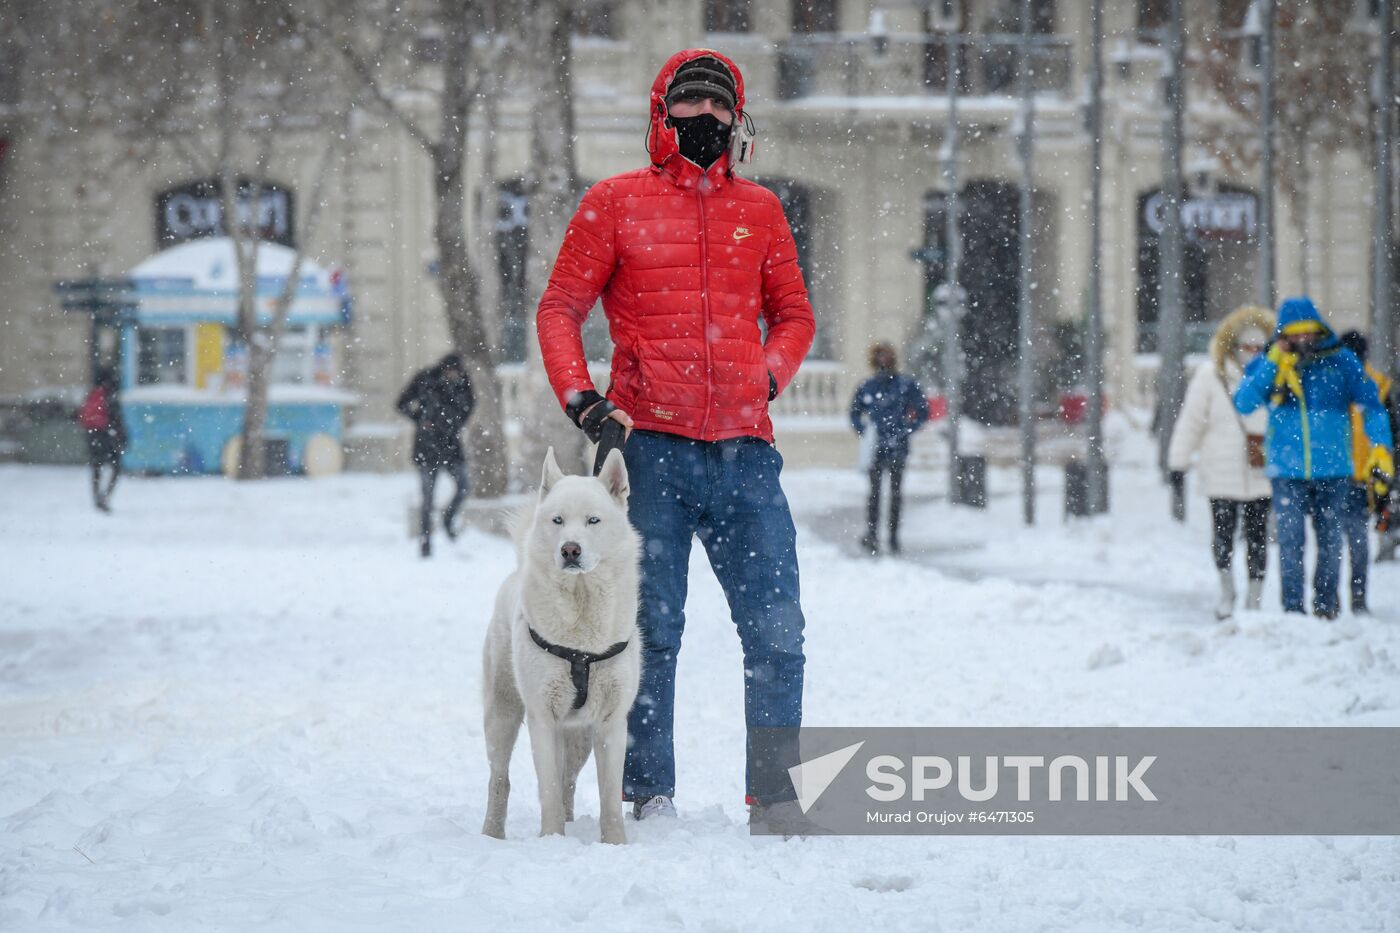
column 784, row 819
column 653, row 807
column 1226, row 606
column 1254, row 598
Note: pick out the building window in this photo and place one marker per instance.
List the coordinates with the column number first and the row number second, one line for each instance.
column 1152, row 20
column 796, row 199
column 1006, row 18
column 727, row 16
column 810, row 16
column 512, row 255
column 594, row 18
column 1230, row 14
column 161, row 356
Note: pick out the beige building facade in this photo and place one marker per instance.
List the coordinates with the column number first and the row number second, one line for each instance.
column 851, row 102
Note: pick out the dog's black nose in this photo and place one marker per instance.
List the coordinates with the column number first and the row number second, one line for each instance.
column 571, row 552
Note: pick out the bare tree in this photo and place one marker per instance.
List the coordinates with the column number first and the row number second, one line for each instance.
column 553, row 189
column 376, row 47
column 1322, row 103
column 223, row 86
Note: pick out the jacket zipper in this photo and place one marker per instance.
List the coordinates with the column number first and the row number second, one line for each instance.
column 1307, row 439
column 705, row 309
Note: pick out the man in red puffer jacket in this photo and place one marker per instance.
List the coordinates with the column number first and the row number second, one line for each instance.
column 686, row 256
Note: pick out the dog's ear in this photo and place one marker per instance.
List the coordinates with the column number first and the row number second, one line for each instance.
column 552, row 474
column 614, row 476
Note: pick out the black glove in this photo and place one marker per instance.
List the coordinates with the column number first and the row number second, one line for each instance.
column 1176, row 479
column 589, row 411
column 772, row 387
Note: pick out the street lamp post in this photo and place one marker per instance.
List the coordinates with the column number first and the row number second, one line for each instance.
column 949, row 295
column 1025, row 338
column 1171, row 317
column 1098, row 465
column 1268, row 289
column 1382, row 337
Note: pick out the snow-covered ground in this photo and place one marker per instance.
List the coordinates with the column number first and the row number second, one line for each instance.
column 253, row 706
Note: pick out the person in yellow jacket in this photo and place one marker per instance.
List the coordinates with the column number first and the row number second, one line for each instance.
column 1363, row 494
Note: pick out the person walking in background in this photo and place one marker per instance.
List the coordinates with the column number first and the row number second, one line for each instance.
column 1363, row 498
column 1309, row 382
column 101, row 417
column 893, row 406
column 439, row 401
column 1231, row 452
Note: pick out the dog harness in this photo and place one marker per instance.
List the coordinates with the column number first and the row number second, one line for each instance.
column 579, row 663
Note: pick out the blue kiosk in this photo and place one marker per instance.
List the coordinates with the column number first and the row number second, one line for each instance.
column 183, row 375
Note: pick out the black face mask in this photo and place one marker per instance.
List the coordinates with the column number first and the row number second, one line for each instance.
column 702, row 138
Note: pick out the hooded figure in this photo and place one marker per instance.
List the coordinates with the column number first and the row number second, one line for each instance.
column 689, row 260
column 1310, row 393
column 1309, row 382
column 685, row 258
column 1230, row 449
column 439, row 401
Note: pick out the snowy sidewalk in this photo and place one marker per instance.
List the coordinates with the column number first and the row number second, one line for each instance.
column 253, row 706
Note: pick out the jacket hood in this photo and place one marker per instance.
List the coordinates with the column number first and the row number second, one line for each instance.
column 1227, row 335
column 1298, row 309
column 661, row 139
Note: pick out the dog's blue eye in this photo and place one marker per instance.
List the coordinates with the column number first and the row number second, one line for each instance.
column 558, row 519
column 593, row 519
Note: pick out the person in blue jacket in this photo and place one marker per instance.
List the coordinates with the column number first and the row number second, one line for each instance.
column 894, row 407
column 1309, row 382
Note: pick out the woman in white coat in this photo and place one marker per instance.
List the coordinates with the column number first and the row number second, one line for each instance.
column 1231, row 451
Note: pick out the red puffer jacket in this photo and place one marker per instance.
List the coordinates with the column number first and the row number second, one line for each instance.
column 685, row 261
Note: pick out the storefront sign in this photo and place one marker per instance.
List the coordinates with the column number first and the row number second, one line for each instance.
column 196, row 209
column 1217, row 217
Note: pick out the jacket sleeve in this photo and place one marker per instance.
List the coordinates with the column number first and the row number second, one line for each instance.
column 118, row 418
column 1192, row 423
column 786, row 308
column 1364, row 392
column 468, row 398
column 1254, row 388
column 919, row 404
column 410, row 400
column 858, row 409
column 585, row 263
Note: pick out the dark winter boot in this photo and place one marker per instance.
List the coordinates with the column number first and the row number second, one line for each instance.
column 449, row 524
column 425, row 546
column 869, row 544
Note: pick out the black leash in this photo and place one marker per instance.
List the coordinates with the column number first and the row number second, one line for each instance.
column 579, row 662
column 612, row 437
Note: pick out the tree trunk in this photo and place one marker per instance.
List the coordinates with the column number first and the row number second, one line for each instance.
column 553, row 190
column 262, row 349
column 456, row 277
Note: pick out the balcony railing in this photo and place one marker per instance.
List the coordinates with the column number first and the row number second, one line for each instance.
column 905, row 64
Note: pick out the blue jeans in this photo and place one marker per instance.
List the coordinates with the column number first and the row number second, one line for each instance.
column 1326, row 501
column 1357, row 525
column 727, row 493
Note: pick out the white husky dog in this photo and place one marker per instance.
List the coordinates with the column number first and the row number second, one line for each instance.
column 563, row 651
